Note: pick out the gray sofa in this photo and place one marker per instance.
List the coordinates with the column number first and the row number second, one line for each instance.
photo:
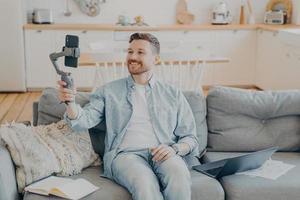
column 229, row 122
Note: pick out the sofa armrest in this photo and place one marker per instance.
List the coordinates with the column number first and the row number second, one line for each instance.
column 8, row 184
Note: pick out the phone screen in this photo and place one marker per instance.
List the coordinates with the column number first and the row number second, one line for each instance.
column 72, row 41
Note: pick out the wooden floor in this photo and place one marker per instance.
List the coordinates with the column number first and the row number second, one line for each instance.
column 17, row 106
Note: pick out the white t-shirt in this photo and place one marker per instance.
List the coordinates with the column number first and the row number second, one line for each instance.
column 139, row 133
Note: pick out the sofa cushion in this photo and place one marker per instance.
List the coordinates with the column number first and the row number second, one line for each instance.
column 107, row 188
column 244, row 120
column 243, row 187
column 198, row 105
column 97, row 135
column 49, row 111
column 203, row 187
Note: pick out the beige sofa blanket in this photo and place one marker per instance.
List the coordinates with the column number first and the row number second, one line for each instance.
column 43, row 150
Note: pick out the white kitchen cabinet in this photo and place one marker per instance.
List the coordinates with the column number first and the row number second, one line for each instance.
column 40, row 72
column 190, row 45
column 277, row 63
column 202, row 43
column 240, row 47
column 291, row 70
column 269, row 60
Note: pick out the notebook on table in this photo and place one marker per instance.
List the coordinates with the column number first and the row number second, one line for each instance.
column 229, row 166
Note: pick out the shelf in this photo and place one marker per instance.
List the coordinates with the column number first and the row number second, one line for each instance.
column 111, row 27
column 96, row 27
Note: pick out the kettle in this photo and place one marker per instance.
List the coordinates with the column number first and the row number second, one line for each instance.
column 221, row 15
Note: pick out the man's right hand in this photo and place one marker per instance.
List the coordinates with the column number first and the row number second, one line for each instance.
column 66, row 94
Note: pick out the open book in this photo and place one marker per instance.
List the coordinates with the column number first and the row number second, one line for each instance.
column 62, row 187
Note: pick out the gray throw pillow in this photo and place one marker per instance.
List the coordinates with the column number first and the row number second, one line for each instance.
column 244, row 120
column 197, row 102
column 50, row 109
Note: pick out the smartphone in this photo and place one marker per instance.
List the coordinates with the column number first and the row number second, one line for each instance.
column 72, row 41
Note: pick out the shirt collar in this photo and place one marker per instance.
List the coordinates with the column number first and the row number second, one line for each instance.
column 151, row 83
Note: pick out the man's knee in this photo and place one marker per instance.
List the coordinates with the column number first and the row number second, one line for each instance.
column 143, row 187
column 177, row 183
column 178, row 176
column 175, row 173
column 135, row 174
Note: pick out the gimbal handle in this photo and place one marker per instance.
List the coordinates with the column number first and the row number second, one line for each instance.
column 65, row 76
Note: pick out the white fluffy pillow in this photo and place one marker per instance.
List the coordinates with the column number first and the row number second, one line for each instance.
column 43, row 150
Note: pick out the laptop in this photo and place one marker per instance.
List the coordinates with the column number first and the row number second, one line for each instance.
column 229, row 166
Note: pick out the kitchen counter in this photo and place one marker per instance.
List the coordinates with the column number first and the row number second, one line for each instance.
column 176, row 27
column 277, row 27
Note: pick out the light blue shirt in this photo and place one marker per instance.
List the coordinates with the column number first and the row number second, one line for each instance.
column 169, row 111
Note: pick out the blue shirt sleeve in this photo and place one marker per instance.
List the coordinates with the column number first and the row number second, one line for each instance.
column 91, row 114
column 186, row 127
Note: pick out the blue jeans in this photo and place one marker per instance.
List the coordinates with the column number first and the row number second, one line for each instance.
column 148, row 180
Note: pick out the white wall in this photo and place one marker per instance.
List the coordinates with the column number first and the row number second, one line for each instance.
column 296, row 12
column 155, row 12
column 12, row 69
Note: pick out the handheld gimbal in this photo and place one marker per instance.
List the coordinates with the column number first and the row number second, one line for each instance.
column 71, row 52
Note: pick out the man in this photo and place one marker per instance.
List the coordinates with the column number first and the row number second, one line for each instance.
column 150, row 127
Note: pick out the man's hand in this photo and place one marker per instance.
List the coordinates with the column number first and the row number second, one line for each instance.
column 162, row 153
column 64, row 93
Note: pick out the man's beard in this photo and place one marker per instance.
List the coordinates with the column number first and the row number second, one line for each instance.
column 140, row 70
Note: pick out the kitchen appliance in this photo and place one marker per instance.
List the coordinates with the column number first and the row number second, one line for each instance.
column 286, row 6
column 42, row 16
column 221, row 15
column 275, row 17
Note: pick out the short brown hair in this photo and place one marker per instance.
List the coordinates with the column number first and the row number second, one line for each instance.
column 148, row 37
